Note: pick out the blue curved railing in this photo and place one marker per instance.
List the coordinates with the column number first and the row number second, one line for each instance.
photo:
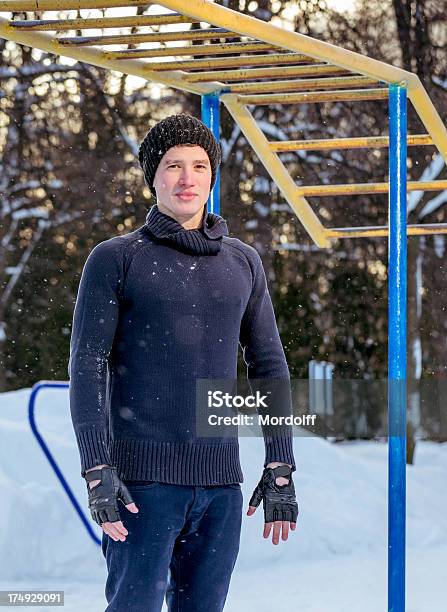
column 46, row 384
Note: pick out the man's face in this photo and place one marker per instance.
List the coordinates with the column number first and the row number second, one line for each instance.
column 182, row 182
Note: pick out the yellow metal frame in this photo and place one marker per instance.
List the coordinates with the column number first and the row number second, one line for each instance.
column 292, row 68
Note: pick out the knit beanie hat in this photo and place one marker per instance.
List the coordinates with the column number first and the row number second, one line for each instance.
column 177, row 130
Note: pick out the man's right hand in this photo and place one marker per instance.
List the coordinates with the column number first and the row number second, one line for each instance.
column 104, row 490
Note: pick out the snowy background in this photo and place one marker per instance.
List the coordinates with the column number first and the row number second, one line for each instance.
column 334, row 562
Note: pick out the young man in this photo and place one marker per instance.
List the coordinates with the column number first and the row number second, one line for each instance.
column 156, row 310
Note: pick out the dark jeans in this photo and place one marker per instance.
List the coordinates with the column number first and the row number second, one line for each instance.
column 187, row 533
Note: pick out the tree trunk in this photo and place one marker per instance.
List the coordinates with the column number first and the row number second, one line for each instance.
column 414, row 349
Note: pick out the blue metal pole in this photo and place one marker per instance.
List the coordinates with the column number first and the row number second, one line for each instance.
column 210, row 117
column 397, row 328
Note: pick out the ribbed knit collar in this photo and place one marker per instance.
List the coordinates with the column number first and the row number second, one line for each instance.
column 206, row 240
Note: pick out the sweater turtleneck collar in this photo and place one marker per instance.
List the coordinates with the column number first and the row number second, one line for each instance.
column 205, row 240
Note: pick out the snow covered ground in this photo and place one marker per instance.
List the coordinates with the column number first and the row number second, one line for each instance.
column 334, row 562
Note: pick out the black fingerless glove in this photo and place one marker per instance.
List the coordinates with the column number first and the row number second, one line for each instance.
column 279, row 501
column 103, row 497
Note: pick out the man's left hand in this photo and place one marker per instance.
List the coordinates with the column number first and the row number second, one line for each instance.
column 277, row 492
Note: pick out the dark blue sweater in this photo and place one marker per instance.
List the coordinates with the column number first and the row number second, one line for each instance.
column 157, row 309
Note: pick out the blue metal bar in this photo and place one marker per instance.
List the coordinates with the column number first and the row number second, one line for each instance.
column 210, row 117
column 43, row 384
column 397, row 329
